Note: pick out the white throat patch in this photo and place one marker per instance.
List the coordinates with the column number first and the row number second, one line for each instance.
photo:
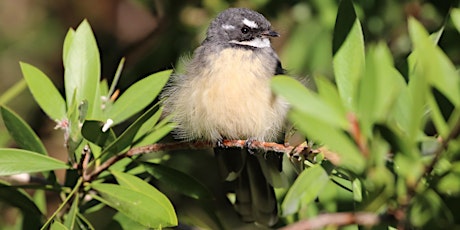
column 250, row 23
column 256, row 42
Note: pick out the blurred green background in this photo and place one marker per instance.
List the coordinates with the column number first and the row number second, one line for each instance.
column 155, row 35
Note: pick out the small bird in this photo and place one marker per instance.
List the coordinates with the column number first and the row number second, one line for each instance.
column 224, row 93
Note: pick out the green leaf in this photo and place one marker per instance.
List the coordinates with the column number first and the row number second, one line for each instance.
column 92, row 131
column 44, row 92
column 135, row 183
column 450, row 184
column 72, row 214
column 19, row 198
column 116, row 78
column 58, row 226
column 334, row 138
column 153, row 137
column 149, row 124
column 178, row 180
column 434, row 63
column 82, row 67
column 127, row 137
column 138, row 96
column 67, row 42
column 304, row 100
column 455, row 16
column 15, row 161
column 21, row 132
column 379, row 88
column 428, row 207
column 305, row 189
column 348, row 50
column 136, row 205
column 328, row 92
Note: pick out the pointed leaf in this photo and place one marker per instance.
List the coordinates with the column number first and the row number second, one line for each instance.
column 305, row 189
column 82, row 67
column 178, row 180
column 304, row 100
column 127, row 137
column 159, row 132
column 348, row 49
column 335, row 139
column 435, row 64
column 378, row 89
column 21, row 132
column 15, row 161
column 67, row 42
column 92, row 131
column 135, row 183
column 138, row 96
column 44, row 92
column 136, row 205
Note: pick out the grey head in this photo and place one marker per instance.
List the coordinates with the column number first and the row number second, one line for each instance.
column 241, row 27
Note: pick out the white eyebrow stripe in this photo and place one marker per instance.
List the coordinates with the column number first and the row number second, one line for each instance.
column 250, row 23
column 228, row 27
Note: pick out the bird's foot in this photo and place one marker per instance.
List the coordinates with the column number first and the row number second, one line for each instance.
column 248, row 145
column 220, row 144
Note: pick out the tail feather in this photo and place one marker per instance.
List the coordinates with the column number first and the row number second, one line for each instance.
column 255, row 196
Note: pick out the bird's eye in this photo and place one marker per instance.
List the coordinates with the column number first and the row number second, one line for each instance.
column 245, row 30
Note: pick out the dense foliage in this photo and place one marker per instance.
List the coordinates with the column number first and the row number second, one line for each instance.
column 383, row 141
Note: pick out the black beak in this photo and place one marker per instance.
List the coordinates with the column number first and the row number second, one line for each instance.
column 270, row 33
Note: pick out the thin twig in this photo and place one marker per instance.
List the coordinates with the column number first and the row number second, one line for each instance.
column 336, row 219
column 266, row 146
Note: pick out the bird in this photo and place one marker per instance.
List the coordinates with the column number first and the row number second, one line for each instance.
column 224, row 93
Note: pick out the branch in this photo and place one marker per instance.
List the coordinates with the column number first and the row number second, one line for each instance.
column 254, row 145
column 336, row 219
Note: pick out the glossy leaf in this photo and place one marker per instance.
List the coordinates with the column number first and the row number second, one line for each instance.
column 21, row 132
column 127, row 137
column 82, row 67
column 304, row 100
column 67, row 42
column 92, row 131
column 334, row 138
column 150, row 123
column 15, row 161
column 138, row 96
column 305, row 189
column 178, row 180
column 136, row 205
column 348, row 49
column 44, row 92
column 135, row 183
column 156, row 135
column 435, row 64
column 379, row 88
